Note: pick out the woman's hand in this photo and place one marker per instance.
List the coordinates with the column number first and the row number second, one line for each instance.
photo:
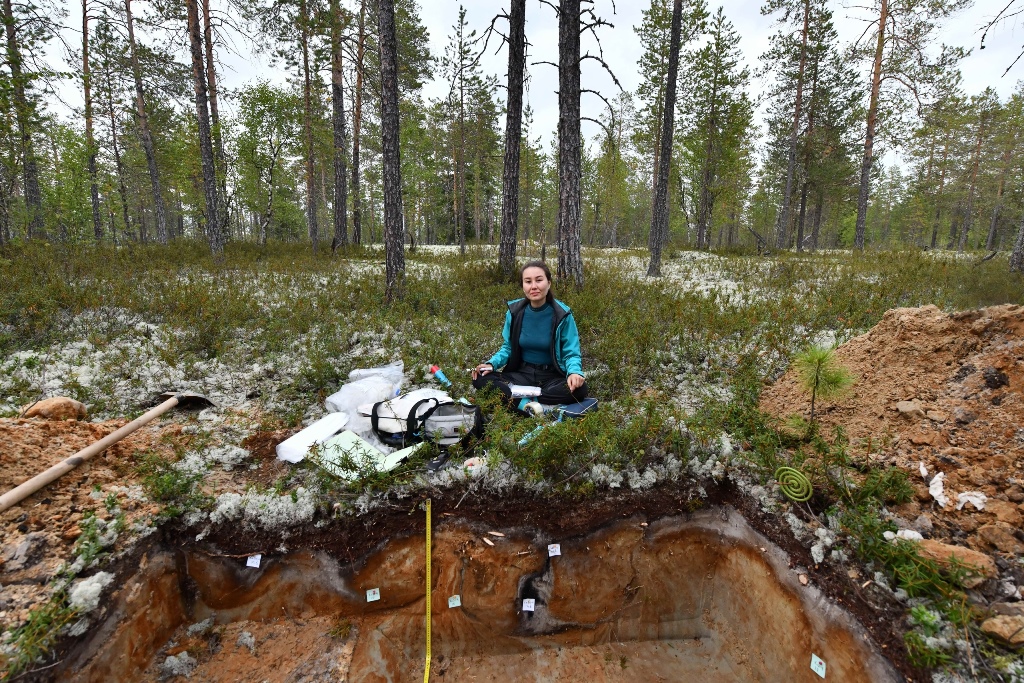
column 574, row 381
column 482, row 369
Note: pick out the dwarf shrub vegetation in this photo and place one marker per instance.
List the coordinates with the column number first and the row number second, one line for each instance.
column 676, row 361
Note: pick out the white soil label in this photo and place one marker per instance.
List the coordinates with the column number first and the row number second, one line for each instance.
column 818, row 665
column 528, row 604
column 455, row 601
column 554, row 549
column 373, row 595
column 253, row 561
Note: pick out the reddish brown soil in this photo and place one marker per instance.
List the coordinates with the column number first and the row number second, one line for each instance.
column 52, row 515
column 351, row 540
column 966, row 370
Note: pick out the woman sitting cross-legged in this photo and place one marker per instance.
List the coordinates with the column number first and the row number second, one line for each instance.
column 541, row 348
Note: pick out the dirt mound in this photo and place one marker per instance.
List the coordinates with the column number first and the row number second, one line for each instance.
column 37, row 536
column 945, row 391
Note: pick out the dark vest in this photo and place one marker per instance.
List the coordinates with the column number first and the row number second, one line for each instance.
column 518, row 309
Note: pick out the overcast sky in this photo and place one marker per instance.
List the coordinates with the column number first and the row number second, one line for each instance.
column 622, row 49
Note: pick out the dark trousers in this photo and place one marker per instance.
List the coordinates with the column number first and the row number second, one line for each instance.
column 553, row 388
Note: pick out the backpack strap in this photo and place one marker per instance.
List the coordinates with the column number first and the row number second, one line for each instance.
column 413, row 422
column 375, row 418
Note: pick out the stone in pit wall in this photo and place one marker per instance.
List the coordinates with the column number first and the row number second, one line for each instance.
column 982, row 566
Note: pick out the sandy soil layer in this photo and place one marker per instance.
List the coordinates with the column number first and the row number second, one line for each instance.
column 959, row 379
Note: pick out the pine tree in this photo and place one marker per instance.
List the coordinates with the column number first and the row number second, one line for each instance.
column 394, row 234
column 213, row 225
column 340, row 218
column 717, row 117
column 513, row 134
column 902, row 35
column 145, row 134
column 659, row 214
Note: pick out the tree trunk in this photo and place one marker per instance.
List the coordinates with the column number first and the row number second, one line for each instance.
column 218, row 138
column 705, row 201
column 476, row 187
column 570, row 261
column 23, row 116
column 819, row 205
column 1017, row 257
column 394, row 237
column 460, row 158
column 782, row 233
column 800, row 218
column 144, row 133
column 938, row 195
column 869, row 138
column 307, row 127
column 340, row 143
column 213, row 227
column 5, row 203
column 953, row 224
column 659, row 213
column 990, row 241
column 513, row 137
column 969, row 212
column 90, row 142
column 357, row 120
column 122, row 189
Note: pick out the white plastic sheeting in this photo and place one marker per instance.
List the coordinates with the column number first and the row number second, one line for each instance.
column 296, row 447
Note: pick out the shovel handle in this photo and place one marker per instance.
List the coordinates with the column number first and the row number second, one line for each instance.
column 26, row 489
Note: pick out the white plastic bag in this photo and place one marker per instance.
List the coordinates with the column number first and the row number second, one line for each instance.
column 296, row 447
column 368, row 385
column 393, row 371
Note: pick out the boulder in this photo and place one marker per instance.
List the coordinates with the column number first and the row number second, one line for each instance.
column 1008, row 629
column 979, row 565
column 910, row 409
column 962, row 416
column 922, row 524
column 25, row 553
column 1004, row 512
column 57, row 408
column 1001, row 536
column 1009, row 609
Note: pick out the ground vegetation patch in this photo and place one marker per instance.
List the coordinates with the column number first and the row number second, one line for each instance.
column 680, row 364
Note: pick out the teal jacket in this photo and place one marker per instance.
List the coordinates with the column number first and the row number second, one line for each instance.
column 565, row 340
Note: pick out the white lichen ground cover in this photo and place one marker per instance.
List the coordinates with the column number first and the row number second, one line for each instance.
column 117, row 361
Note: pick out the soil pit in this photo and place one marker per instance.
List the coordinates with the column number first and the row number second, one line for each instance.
column 699, row 597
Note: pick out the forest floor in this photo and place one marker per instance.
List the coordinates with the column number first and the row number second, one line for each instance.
column 680, row 362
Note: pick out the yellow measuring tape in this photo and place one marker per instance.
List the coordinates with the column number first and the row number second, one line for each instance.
column 426, row 670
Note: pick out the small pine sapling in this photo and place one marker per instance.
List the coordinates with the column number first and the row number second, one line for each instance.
column 821, row 374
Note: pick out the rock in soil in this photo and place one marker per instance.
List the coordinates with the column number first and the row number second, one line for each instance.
column 57, row 408
column 1007, row 629
column 981, row 565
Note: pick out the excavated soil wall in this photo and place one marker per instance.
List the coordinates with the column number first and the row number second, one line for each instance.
column 701, row 597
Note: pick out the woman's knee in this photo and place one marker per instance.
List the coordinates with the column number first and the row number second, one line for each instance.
column 488, row 380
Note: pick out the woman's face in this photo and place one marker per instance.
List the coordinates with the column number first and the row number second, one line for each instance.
column 535, row 286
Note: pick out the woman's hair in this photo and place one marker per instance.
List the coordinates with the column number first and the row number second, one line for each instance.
column 547, row 273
